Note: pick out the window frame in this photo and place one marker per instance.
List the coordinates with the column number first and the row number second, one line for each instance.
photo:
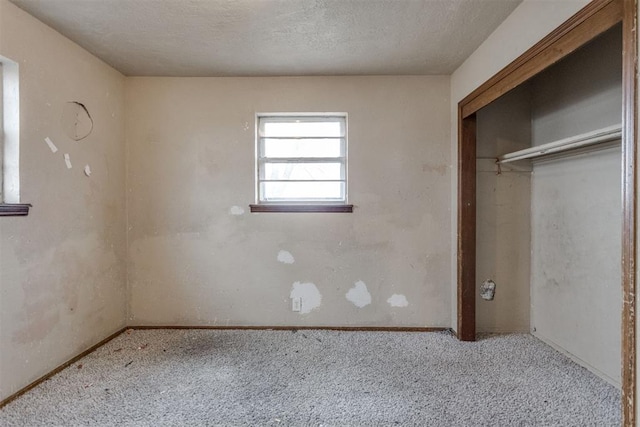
column 300, row 205
column 10, row 147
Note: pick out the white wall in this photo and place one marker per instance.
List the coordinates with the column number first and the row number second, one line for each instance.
column 581, row 93
column 62, row 268
column 575, row 285
column 576, row 209
column 191, row 159
column 528, row 24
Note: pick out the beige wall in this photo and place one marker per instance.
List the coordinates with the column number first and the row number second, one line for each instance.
column 62, row 268
column 191, row 159
column 575, row 285
column 576, row 291
column 503, row 245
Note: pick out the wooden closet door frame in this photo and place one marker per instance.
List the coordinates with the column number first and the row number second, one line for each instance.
column 593, row 20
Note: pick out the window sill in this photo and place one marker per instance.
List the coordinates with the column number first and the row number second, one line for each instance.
column 303, row 208
column 14, row 209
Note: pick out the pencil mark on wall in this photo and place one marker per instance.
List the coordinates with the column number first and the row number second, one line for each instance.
column 440, row 169
column 359, row 295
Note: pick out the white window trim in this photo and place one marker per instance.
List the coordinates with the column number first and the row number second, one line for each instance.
column 313, row 205
column 10, row 196
column 11, row 131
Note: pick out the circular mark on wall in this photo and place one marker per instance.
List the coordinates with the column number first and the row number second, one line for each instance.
column 76, row 120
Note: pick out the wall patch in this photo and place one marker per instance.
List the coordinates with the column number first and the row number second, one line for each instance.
column 398, row 300
column 67, row 160
column 488, row 290
column 236, row 211
column 51, row 145
column 87, row 170
column 285, row 257
column 309, row 295
column 359, row 295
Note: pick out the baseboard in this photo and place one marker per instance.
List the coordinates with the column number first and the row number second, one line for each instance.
column 60, row 368
column 296, row 328
column 578, row 360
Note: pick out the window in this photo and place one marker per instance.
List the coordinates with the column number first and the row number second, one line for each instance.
column 10, row 140
column 301, row 163
column 1, row 135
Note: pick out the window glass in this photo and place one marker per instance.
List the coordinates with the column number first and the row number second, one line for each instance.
column 302, row 159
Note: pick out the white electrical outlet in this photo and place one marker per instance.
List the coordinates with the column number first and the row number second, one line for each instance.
column 296, row 304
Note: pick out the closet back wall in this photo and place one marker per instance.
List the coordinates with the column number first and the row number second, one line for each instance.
column 196, row 259
column 576, row 210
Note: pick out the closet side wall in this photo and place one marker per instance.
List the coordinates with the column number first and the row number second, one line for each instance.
column 576, row 210
column 503, row 214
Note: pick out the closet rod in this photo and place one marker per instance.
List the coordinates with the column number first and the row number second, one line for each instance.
column 609, row 133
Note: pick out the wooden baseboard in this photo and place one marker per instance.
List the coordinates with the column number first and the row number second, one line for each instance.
column 295, row 328
column 60, row 368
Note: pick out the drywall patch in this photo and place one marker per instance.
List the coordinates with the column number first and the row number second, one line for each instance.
column 67, row 160
column 488, row 290
column 51, row 145
column 359, row 295
column 76, row 120
column 398, row 300
column 87, row 170
column 309, row 294
column 285, row 257
column 236, row 211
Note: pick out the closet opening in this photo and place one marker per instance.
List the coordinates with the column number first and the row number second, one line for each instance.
column 546, row 196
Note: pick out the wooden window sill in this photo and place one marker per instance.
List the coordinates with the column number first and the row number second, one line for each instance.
column 303, row 208
column 14, row 209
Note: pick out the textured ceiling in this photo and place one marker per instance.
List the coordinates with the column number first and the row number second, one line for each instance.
column 275, row 37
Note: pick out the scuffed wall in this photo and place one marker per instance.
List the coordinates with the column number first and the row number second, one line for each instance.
column 198, row 257
column 576, row 292
column 62, row 268
column 503, row 244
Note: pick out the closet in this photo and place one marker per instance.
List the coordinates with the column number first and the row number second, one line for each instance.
column 549, row 207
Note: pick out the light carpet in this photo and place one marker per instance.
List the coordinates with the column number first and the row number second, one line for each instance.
column 313, row 377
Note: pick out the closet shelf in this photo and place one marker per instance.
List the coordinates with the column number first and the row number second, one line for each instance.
column 606, row 134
